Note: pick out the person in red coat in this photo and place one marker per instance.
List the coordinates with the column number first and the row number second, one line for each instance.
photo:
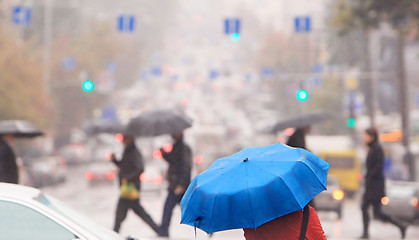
column 288, row 227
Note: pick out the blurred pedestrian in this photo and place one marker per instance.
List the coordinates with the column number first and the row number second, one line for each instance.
column 130, row 168
column 297, row 225
column 298, row 138
column 374, row 184
column 8, row 166
column 179, row 177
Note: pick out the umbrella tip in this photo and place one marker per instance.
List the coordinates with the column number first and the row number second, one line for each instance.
column 245, row 160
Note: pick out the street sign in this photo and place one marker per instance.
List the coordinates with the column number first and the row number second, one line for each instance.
column 231, row 26
column 69, row 63
column 268, row 71
column 126, row 23
column 156, row 71
column 213, row 74
column 21, row 15
column 354, row 100
column 302, row 24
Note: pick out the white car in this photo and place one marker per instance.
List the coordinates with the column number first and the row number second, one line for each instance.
column 27, row 213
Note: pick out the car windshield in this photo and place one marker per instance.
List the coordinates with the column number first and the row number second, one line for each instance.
column 83, row 221
column 400, row 191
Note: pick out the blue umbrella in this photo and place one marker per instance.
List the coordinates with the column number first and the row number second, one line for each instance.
column 253, row 187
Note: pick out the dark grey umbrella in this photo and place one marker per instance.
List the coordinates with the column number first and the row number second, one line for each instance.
column 110, row 127
column 19, row 128
column 301, row 121
column 159, row 122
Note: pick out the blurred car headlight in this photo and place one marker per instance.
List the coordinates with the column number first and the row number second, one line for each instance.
column 415, row 202
column 338, row 195
column 385, row 200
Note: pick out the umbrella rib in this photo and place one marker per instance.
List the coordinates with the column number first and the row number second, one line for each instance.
column 250, row 202
column 293, row 197
column 317, row 176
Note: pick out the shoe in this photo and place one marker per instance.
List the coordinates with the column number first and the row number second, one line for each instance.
column 364, row 236
column 403, row 229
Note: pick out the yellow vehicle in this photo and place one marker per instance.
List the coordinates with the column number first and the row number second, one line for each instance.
column 346, row 166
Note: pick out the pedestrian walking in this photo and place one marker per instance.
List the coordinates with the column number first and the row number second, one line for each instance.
column 130, row 168
column 303, row 225
column 8, row 166
column 374, row 184
column 179, row 177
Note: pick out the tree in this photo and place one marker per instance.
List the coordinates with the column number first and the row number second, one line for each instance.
column 401, row 15
column 21, row 84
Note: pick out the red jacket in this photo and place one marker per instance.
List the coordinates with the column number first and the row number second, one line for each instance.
column 288, row 228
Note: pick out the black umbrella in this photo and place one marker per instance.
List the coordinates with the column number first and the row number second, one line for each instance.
column 159, row 122
column 19, row 128
column 301, row 121
column 110, row 127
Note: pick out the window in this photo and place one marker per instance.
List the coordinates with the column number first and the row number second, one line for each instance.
column 21, row 222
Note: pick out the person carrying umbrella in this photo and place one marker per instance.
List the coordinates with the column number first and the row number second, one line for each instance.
column 297, row 225
column 262, row 190
column 179, row 177
column 9, row 130
column 130, row 168
column 375, row 184
column 8, row 166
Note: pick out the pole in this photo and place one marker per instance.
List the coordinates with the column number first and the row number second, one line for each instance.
column 405, row 113
column 371, row 81
column 47, row 45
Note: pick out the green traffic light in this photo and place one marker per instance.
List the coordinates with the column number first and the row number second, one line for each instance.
column 302, row 95
column 88, row 86
column 350, row 122
column 235, row 37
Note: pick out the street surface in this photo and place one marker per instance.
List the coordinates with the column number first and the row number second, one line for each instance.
column 99, row 203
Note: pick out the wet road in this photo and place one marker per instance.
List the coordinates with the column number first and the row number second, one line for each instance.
column 99, row 202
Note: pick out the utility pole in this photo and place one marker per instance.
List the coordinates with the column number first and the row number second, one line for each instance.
column 405, row 108
column 47, row 45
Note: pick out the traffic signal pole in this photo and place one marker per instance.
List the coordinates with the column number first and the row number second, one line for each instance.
column 47, row 45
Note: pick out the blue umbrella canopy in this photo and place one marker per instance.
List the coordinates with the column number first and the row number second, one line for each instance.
column 253, row 187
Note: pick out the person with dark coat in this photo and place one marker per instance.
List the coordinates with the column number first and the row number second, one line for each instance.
column 8, row 167
column 375, row 184
column 288, row 227
column 298, row 138
column 130, row 168
column 179, row 177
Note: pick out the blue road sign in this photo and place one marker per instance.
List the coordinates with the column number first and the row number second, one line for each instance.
column 111, row 67
column 21, row 15
column 302, row 24
column 268, row 71
column 213, row 74
column 126, row 23
column 156, row 71
column 232, row 25
column 69, row 63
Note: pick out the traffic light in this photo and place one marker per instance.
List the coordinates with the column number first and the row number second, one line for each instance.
column 235, row 37
column 302, row 95
column 88, row 86
column 350, row 122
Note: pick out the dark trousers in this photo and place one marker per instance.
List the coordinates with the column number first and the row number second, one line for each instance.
column 171, row 201
column 122, row 209
column 378, row 214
